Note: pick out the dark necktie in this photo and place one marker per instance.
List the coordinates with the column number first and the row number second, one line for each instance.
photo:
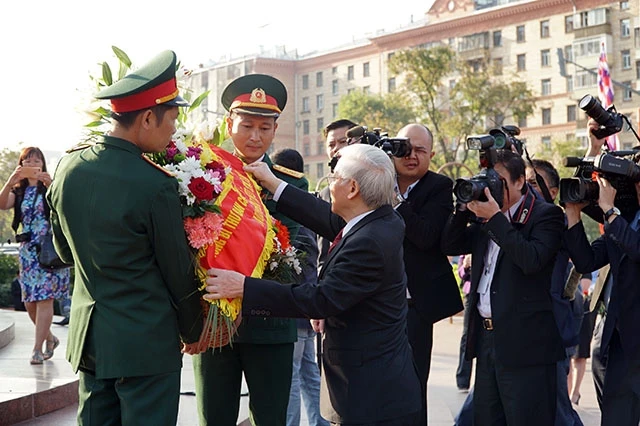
column 335, row 241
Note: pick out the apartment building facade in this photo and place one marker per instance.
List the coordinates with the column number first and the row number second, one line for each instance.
column 521, row 37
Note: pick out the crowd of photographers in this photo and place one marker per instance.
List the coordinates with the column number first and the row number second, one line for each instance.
column 521, row 245
column 528, row 254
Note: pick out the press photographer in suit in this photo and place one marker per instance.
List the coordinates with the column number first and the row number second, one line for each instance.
column 426, row 201
column 618, row 247
column 512, row 330
column 369, row 375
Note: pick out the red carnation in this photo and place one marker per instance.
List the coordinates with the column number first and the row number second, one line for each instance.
column 201, row 189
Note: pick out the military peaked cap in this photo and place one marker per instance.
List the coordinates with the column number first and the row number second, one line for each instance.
column 152, row 84
column 256, row 94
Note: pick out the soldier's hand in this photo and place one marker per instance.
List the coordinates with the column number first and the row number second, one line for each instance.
column 263, row 175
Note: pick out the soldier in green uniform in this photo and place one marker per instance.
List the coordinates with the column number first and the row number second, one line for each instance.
column 117, row 217
column 263, row 347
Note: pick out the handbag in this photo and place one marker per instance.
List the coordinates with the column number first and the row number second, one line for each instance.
column 47, row 255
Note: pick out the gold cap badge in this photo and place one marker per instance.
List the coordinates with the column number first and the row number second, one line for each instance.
column 258, row 96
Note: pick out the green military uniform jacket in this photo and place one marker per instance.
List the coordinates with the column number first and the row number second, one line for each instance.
column 118, row 218
column 264, row 330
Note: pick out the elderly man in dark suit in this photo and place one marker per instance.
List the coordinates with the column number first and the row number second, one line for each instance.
column 512, row 330
column 369, row 373
column 426, row 201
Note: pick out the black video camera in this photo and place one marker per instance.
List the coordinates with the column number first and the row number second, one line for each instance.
column 467, row 190
column 610, row 120
column 393, row 147
column 621, row 172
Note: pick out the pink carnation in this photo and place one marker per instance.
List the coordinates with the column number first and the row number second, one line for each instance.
column 204, row 230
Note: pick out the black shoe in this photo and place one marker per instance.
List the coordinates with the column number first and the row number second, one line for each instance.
column 63, row 321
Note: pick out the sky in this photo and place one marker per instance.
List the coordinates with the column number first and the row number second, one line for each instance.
column 50, row 48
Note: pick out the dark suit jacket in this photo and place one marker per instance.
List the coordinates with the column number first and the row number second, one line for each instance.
column 369, row 374
column 323, row 243
column 525, row 330
column 430, row 278
column 619, row 247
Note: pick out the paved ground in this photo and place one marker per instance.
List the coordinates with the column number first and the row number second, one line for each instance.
column 443, row 396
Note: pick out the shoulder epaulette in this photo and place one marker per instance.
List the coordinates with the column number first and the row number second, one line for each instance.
column 80, row 146
column 157, row 166
column 288, row 172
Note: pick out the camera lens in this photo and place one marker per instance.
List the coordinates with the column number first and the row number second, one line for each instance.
column 500, row 142
column 592, row 107
column 468, row 190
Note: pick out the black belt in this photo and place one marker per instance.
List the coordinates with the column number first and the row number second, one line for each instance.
column 487, row 324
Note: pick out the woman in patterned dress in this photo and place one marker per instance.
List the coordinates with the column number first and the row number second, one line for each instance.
column 25, row 192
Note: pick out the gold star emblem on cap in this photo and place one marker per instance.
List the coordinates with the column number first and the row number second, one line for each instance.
column 258, row 96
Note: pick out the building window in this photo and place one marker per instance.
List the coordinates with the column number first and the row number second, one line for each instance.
column 390, row 55
column 305, row 127
column 568, row 52
column 568, row 24
column 305, row 104
column 350, row 74
column 334, row 87
column 319, row 102
column 626, row 59
column 319, row 79
column 545, row 58
column 497, row 38
column 627, row 91
column 204, row 80
column 319, row 170
column 546, row 87
column 585, row 79
column 520, row 34
column 546, row 141
column 391, row 85
column 624, row 5
column 365, row 69
column 592, row 18
column 334, row 70
column 307, row 168
column 638, row 70
column 636, row 37
column 571, row 113
column 546, row 116
column 625, row 28
column 366, row 90
column 497, row 66
column 305, row 81
column 350, row 90
column 522, row 122
column 334, row 110
column 319, row 124
column 306, row 149
column 522, row 62
column 544, row 29
column 569, row 83
column 320, row 147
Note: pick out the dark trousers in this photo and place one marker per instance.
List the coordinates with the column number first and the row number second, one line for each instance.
column 218, row 380
column 598, row 360
column 413, row 419
column 420, row 334
column 621, row 391
column 514, row 396
column 465, row 368
column 146, row 400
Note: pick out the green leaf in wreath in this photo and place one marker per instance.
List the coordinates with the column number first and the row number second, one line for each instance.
column 106, row 74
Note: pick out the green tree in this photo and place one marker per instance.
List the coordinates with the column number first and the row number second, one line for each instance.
column 480, row 94
column 424, row 71
column 388, row 112
column 8, row 163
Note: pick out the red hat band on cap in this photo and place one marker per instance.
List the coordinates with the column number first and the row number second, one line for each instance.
column 256, row 99
column 156, row 95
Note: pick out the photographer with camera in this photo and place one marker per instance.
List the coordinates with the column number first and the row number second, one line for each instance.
column 425, row 202
column 513, row 239
column 618, row 247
